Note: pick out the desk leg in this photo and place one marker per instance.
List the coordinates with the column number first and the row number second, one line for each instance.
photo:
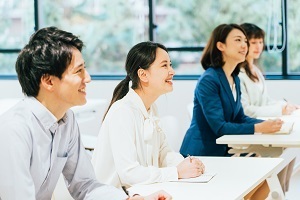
column 276, row 192
column 256, row 148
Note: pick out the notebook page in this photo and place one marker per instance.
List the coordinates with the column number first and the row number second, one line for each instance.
column 204, row 178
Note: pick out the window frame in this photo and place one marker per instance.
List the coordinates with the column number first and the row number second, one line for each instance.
column 152, row 26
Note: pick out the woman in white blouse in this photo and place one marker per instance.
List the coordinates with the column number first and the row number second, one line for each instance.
column 131, row 147
column 255, row 99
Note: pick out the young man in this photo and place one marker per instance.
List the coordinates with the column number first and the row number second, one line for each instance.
column 39, row 137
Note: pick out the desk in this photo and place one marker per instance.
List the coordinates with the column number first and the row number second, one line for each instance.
column 267, row 145
column 236, row 177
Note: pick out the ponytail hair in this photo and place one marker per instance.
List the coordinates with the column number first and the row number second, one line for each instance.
column 140, row 56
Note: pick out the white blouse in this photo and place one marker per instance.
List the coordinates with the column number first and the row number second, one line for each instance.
column 255, row 99
column 132, row 148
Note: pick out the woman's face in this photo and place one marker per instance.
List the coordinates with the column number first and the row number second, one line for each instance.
column 256, row 48
column 235, row 47
column 160, row 73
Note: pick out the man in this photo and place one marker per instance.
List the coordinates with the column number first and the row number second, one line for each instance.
column 39, row 137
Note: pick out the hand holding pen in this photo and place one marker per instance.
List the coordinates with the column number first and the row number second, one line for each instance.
column 289, row 108
column 268, row 126
column 190, row 167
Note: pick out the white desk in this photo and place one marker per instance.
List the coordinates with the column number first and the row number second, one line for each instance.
column 267, row 145
column 236, row 177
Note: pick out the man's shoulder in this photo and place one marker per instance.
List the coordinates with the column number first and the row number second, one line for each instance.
column 17, row 117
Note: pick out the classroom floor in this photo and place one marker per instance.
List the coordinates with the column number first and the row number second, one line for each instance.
column 294, row 190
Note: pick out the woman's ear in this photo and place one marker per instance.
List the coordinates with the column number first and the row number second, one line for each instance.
column 220, row 46
column 142, row 74
column 47, row 82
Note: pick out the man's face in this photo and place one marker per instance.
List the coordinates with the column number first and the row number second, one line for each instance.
column 70, row 89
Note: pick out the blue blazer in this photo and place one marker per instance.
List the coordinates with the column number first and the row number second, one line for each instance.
column 215, row 114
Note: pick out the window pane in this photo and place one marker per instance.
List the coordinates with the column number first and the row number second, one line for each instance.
column 190, row 23
column 186, row 63
column 16, row 23
column 7, row 64
column 108, row 28
column 270, row 63
column 293, row 36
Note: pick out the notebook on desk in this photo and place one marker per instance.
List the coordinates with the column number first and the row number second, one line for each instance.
column 204, row 178
column 286, row 128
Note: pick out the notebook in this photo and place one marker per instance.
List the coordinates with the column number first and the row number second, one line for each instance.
column 286, row 128
column 204, row 178
column 296, row 113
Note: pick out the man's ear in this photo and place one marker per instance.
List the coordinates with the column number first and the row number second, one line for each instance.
column 47, row 82
column 220, row 46
column 142, row 74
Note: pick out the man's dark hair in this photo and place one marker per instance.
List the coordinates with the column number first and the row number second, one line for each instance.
column 49, row 52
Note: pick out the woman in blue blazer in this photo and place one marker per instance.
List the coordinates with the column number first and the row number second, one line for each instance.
column 217, row 108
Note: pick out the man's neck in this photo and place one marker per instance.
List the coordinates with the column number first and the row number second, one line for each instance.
column 57, row 110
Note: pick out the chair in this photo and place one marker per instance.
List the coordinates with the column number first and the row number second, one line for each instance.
column 190, row 108
column 170, row 126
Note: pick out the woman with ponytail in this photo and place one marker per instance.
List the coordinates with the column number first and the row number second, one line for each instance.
column 132, row 148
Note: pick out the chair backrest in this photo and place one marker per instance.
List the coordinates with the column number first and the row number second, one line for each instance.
column 190, row 108
column 170, row 126
column 89, row 116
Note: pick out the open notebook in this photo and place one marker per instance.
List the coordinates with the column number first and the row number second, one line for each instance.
column 286, row 128
column 204, row 178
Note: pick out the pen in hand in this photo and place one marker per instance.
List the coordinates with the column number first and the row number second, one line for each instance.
column 191, row 159
column 124, row 189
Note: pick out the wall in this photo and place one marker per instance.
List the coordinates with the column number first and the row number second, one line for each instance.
column 174, row 103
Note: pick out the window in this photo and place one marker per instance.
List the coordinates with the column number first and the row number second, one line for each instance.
column 16, row 24
column 110, row 28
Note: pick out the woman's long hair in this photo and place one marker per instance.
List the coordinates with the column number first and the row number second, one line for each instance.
column 253, row 32
column 212, row 56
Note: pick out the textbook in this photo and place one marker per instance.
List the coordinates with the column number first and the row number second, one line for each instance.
column 203, row 178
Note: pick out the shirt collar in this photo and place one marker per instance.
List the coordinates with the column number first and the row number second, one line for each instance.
column 138, row 102
column 46, row 118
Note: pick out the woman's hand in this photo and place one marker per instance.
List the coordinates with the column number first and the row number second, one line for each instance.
column 289, row 109
column 268, row 126
column 190, row 167
column 160, row 195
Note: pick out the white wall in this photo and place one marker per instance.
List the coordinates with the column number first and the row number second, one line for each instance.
column 174, row 103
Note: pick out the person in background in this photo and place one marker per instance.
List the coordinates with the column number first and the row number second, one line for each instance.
column 39, row 136
column 217, row 99
column 255, row 98
column 132, row 148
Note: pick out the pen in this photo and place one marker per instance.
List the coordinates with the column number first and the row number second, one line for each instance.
column 285, row 100
column 124, row 189
column 190, row 158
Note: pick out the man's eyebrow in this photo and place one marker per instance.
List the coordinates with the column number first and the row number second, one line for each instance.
column 80, row 65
